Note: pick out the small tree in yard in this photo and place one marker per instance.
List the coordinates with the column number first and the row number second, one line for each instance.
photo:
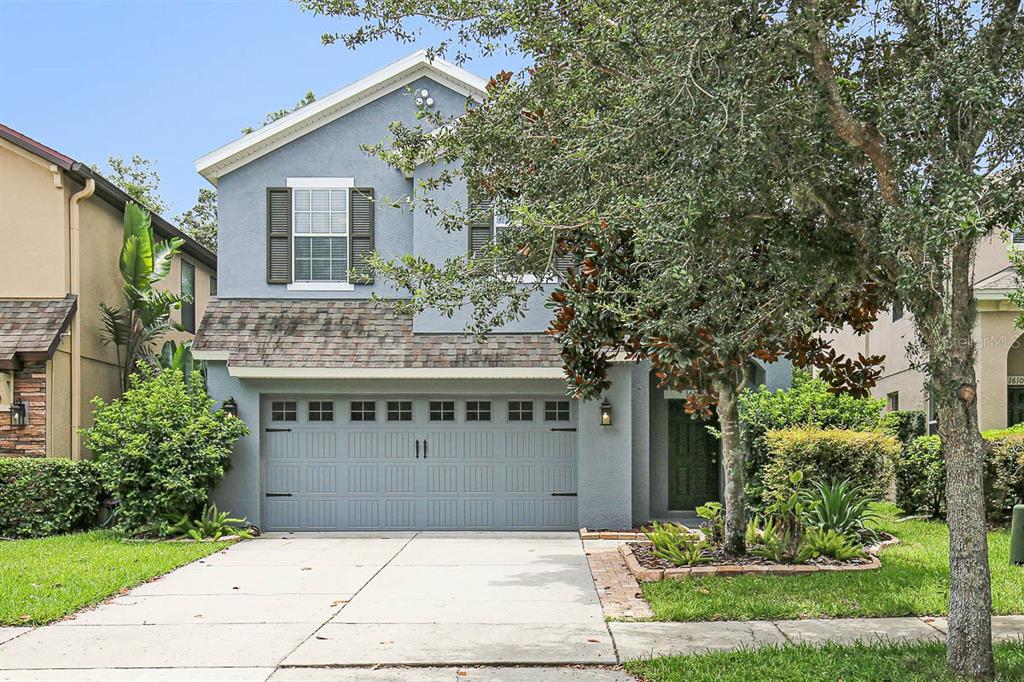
column 900, row 123
column 160, row 448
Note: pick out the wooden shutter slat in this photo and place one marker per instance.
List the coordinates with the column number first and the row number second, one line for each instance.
column 360, row 234
column 481, row 225
column 279, row 235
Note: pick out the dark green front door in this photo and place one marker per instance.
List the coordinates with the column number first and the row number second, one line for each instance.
column 692, row 460
column 1015, row 404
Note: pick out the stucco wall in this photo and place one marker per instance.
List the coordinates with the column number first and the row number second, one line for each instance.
column 33, row 227
column 330, row 151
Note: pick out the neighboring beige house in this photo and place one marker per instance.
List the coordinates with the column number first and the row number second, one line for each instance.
column 60, row 237
column 1000, row 365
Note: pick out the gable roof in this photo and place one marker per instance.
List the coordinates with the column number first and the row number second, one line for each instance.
column 335, row 105
column 998, row 284
column 107, row 190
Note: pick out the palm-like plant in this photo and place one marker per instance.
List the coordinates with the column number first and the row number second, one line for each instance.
column 146, row 314
column 841, row 507
column 179, row 357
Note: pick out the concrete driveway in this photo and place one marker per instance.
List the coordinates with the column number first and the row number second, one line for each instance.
column 276, row 606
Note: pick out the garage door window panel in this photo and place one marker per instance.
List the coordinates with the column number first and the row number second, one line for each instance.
column 478, row 410
column 321, row 410
column 442, row 410
column 556, row 411
column 520, row 410
column 364, row 411
column 399, row 410
column 284, row 411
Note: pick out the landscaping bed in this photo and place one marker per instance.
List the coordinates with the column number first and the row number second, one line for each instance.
column 912, row 581
column 647, row 566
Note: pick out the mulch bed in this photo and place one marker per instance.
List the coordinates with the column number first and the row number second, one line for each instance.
column 646, row 566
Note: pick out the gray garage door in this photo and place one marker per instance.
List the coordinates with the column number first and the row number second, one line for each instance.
column 392, row 463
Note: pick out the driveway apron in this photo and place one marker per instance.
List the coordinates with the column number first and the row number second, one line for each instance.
column 413, row 598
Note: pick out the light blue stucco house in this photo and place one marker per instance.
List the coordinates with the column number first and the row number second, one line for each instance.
column 363, row 419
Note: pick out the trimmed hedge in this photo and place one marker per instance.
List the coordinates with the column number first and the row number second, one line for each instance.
column 47, row 496
column 810, row 403
column 865, row 458
column 905, row 425
column 921, row 475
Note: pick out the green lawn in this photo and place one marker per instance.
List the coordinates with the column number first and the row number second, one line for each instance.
column 913, row 580
column 867, row 663
column 42, row 580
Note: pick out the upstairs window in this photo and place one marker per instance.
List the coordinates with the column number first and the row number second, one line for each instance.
column 897, row 310
column 320, row 224
column 188, row 294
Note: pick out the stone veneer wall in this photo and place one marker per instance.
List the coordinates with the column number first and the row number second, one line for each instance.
column 26, row 441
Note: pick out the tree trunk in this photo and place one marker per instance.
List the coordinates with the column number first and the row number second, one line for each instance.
column 732, row 459
column 948, row 335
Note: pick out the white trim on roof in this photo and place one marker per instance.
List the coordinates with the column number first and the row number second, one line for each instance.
column 396, row 372
column 335, row 105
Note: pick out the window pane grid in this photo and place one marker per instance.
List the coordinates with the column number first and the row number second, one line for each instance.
column 399, row 410
column 478, row 410
column 364, row 411
column 320, row 226
column 283, row 411
column 556, row 410
column 321, row 410
column 520, row 410
column 442, row 410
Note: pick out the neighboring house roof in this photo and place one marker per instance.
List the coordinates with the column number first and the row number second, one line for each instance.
column 335, row 105
column 30, row 329
column 107, row 190
column 355, row 335
column 997, row 285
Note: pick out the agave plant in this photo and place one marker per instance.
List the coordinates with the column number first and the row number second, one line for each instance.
column 210, row 525
column 146, row 314
column 841, row 507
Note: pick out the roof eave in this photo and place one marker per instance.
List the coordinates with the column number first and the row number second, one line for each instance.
column 335, row 105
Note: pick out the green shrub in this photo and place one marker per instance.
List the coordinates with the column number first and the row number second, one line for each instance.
column 160, row 448
column 905, row 425
column 47, row 496
column 673, row 542
column 809, row 403
column 921, row 475
column 921, row 478
column 864, row 458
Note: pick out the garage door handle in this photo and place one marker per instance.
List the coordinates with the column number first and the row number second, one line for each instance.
column 563, row 494
column 279, row 494
column 417, row 448
column 424, row 448
column 276, row 430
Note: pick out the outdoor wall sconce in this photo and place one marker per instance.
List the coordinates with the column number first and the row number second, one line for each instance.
column 606, row 413
column 230, row 407
column 19, row 412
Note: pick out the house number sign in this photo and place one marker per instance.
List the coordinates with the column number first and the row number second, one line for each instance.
column 1013, row 380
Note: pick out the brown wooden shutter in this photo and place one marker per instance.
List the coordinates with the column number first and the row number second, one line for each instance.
column 279, row 235
column 481, row 225
column 360, row 234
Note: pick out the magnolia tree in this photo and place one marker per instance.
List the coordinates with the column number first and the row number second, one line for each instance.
column 896, row 125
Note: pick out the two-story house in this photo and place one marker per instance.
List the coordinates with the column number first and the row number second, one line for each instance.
column 60, row 240
column 364, row 419
column 999, row 365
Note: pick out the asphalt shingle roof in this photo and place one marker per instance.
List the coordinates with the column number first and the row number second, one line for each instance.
column 350, row 334
column 32, row 327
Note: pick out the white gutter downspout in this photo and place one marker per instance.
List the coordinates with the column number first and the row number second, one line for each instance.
column 76, row 323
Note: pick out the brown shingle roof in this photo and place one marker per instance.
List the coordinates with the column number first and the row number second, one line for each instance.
column 350, row 334
column 999, row 281
column 31, row 329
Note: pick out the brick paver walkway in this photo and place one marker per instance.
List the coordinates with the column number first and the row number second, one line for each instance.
column 620, row 594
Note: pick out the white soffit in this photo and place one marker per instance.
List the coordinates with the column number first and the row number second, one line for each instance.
column 335, row 105
column 396, row 372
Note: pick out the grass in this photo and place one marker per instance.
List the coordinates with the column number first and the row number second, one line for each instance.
column 803, row 663
column 44, row 579
column 913, row 580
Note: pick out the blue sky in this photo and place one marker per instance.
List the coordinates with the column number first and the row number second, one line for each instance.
column 170, row 80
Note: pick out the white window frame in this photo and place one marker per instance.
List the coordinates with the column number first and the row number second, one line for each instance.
column 307, row 183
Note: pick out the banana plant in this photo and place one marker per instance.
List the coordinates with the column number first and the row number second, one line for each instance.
column 179, row 357
column 145, row 316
